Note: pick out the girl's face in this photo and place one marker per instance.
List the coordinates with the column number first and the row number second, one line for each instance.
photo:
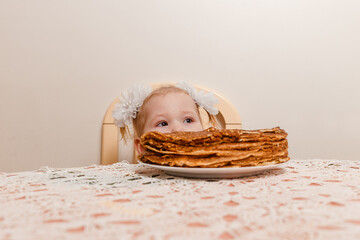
column 172, row 112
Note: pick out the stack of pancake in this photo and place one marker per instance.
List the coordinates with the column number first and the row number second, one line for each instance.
column 213, row 148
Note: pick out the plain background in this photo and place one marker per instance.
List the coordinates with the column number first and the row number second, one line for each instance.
column 293, row 64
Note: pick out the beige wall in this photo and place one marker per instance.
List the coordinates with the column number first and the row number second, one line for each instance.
column 294, row 64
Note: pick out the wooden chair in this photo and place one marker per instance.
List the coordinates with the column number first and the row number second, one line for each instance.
column 111, row 146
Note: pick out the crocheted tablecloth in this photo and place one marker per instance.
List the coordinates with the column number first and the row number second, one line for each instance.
column 304, row 199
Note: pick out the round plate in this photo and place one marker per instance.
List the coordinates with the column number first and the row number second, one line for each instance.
column 213, row 172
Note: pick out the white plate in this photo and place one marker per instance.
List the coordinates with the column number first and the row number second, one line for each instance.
column 213, row 172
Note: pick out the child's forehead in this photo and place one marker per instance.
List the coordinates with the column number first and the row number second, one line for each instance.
column 170, row 94
column 169, row 98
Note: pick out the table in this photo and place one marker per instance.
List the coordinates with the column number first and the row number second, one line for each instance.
column 304, row 199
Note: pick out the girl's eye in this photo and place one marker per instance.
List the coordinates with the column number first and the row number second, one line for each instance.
column 162, row 124
column 188, row 120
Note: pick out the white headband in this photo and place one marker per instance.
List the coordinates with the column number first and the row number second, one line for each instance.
column 132, row 99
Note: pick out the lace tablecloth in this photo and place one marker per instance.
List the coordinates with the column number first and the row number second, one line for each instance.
column 305, row 199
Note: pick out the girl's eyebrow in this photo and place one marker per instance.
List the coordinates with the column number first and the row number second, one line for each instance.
column 188, row 112
column 155, row 118
column 158, row 115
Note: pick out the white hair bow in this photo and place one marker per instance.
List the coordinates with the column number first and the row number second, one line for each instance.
column 129, row 105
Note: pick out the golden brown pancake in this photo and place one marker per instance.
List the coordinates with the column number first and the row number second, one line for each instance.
column 216, row 148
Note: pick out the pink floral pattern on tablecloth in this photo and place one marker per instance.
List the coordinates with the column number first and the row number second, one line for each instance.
column 302, row 199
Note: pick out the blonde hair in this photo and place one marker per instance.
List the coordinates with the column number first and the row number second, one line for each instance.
column 139, row 121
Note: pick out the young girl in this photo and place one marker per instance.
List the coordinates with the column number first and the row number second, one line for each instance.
column 166, row 109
